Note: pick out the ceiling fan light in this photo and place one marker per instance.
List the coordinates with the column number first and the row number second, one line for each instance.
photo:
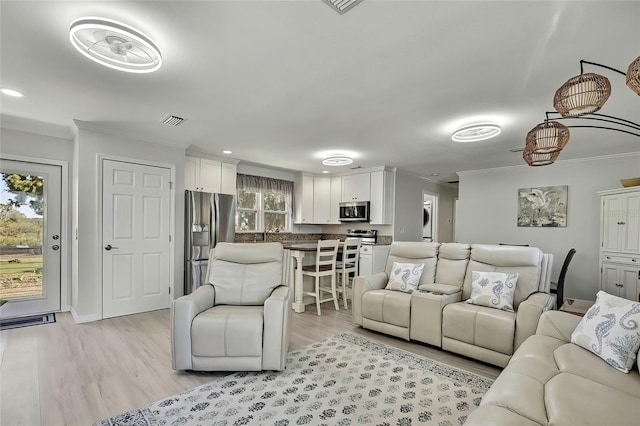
column 582, row 94
column 633, row 76
column 337, row 160
column 476, row 132
column 535, row 159
column 115, row 45
column 547, row 137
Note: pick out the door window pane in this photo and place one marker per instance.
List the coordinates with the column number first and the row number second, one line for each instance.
column 21, row 235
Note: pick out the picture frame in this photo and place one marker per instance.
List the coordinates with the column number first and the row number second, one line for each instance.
column 543, row 207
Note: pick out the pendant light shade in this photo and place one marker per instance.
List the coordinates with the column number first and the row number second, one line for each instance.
column 633, row 76
column 583, row 94
column 547, row 137
column 535, row 159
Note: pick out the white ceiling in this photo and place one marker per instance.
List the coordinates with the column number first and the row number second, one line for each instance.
column 282, row 83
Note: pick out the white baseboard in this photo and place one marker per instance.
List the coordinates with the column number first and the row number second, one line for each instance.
column 79, row 319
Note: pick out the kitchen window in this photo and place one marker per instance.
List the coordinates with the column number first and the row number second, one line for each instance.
column 263, row 204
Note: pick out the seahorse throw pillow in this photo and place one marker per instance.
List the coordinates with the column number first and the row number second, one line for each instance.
column 493, row 289
column 405, row 277
column 611, row 330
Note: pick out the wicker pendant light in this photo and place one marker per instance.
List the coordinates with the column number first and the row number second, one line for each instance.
column 547, row 137
column 583, row 94
column 535, row 159
column 633, row 76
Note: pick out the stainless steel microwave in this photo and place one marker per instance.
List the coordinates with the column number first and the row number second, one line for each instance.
column 356, row 211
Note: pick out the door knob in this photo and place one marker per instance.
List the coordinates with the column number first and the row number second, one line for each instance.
column 55, row 237
column 110, row 247
column 55, row 247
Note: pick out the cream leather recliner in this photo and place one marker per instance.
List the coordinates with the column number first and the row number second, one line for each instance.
column 238, row 322
column 492, row 335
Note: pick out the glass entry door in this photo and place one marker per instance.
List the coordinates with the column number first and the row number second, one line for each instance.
column 30, row 240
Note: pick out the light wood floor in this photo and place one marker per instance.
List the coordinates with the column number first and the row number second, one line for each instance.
column 75, row 374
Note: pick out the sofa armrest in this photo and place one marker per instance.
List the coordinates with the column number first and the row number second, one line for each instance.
column 558, row 324
column 275, row 342
column 528, row 314
column 183, row 310
column 360, row 286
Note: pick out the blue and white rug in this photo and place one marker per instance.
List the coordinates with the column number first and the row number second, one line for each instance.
column 345, row 380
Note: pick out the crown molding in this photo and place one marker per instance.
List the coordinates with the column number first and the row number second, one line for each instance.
column 86, row 125
column 27, row 125
column 569, row 161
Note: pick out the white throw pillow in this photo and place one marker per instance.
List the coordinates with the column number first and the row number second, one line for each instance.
column 611, row 330
column 405, row 277
column 493, row 289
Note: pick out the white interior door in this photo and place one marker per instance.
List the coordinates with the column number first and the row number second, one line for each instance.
column 30, row 240
column 135, row 237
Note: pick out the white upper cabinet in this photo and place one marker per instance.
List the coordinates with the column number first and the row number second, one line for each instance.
column 228, row 179
column 202, row 174
column 335, row 198
column 621, row 221
column 303, row 188
column 322, row 200
column 356, row 187
column 382, row 191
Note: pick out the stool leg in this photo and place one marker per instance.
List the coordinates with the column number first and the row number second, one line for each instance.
column 345, row 278
column 334, row 292
column 317, row 282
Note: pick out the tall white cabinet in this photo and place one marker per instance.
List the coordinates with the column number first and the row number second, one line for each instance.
column 620, row 242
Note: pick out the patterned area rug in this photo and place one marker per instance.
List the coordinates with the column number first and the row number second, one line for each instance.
column 345, row 380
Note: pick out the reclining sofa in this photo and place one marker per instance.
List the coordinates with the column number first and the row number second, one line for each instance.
column 550, row 381
column 437, row 314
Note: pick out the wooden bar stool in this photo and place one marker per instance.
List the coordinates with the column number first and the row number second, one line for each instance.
column 325, row 266
column 348, row 265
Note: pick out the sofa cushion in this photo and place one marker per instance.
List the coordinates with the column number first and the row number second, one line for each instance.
column 415, row 252
column 493, row 289
column 228, row 331
column 574, row 400
column 452, row 263
column 573, row 359
column 245, row 274
column 405, row 277
column 488, row 328
column 611, row 330
column 524, row 261
column 393, row 307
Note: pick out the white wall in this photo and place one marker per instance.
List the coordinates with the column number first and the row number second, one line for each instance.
column 91, row 144
column 32, row 145
column 488, row 207
column 409, row 207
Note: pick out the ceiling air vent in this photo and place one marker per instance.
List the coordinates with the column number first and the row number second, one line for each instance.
column 173, row 120
column 516, row 150
column 342, row 6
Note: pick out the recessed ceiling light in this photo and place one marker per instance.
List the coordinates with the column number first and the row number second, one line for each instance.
column 476, row 132
column 337, row 160
column 325, row 171
column 435, row 174
column 226, row 151
column 115, row 45
column 11, row 92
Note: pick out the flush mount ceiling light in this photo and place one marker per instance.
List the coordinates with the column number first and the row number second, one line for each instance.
column 115, row 45
column 11, row 92
column 476, row 132
column 337, row 160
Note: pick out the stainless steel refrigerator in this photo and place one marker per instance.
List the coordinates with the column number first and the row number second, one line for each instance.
column 210, row 219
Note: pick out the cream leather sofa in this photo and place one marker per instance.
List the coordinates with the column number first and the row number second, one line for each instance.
column 240, row 321
column 437, row 314
column 550, row 381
